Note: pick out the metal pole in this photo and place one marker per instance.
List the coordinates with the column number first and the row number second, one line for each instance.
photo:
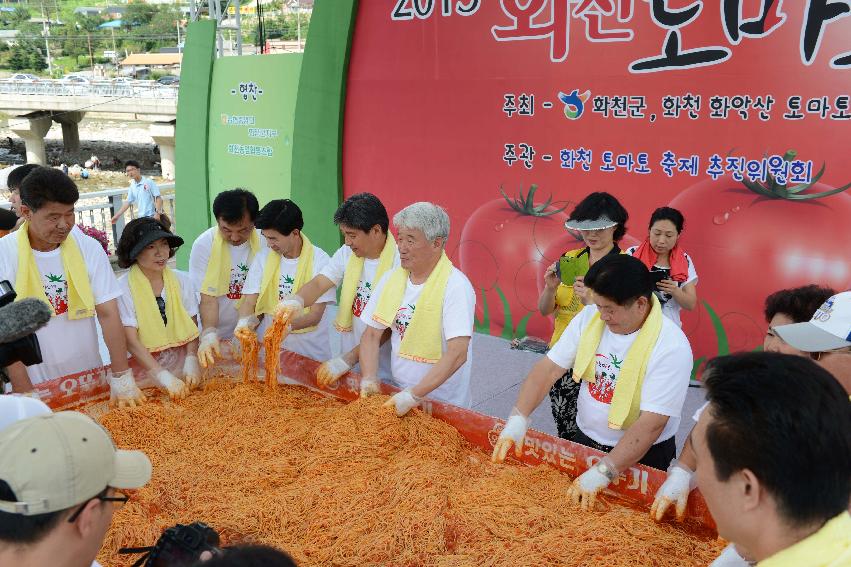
column 91, row 56
column 298, row 23
column 238, row 29
column 217, row 7
column 46, row 32
column 177, row 24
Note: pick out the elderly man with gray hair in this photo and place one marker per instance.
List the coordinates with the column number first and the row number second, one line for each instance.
column 428, row 305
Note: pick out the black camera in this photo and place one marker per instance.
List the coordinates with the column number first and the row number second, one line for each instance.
column 658, row 274
column 19, row 322
column 178, row 546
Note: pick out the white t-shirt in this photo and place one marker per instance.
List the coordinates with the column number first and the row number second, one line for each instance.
column 166, row 358
column 240, row 261
column 334, row 271
column 315, row 344
column 670, row 307
column 459, row 304
column 665, row 382
column 67, row 346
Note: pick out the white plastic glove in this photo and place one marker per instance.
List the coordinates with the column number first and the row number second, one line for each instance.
column 513, row 433
column 289, row 307
column 123, row 391
column 586, row 486
column 674, row 490
column 369, row 385
column 209, row 348
column 245, row 326
column 331, row 370
column 191, row 371
column 403, row 402
column 171, row 384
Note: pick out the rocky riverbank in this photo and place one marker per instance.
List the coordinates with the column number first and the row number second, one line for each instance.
column 113, row 142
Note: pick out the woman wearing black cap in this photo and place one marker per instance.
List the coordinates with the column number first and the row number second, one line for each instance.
column 158, row 306
column 601, row 221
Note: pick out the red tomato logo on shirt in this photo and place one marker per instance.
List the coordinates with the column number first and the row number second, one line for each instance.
column 607, row 369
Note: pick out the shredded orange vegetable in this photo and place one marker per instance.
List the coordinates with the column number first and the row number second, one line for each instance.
column 353, row 485
column 272, row 344
column 250, row 353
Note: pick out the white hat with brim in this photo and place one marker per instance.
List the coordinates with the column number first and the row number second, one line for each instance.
column 591, row 224
column 829, row 328
column 57, row 461
column 15, row 407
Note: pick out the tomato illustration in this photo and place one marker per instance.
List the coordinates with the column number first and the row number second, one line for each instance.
column 502, row 250
column 750, row 239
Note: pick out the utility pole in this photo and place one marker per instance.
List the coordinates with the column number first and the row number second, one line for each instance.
column 238, row 27
column 298, row 23
column 91, row 56
column 179, row 49
column 46, row 33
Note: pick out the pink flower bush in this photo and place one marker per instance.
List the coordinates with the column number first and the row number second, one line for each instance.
column 98, row 235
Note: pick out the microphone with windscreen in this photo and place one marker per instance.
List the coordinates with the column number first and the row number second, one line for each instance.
column 19, row 320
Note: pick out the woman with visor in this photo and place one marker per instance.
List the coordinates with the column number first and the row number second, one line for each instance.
column 158, row 306
column 601, row 221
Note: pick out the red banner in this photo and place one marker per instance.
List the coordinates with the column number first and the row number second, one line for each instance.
column 695, row 105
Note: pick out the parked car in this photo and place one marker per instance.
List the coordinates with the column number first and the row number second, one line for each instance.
column 169, row 80
column 123, row 80
column 24, row 78
column 78, row 79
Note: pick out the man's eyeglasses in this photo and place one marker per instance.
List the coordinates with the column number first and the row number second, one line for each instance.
column 119, row 500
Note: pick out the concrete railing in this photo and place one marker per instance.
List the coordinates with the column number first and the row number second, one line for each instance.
column 97, row 209
column 142, row 89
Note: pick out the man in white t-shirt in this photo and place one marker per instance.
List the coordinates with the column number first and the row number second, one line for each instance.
column 623, row 301
column 431, row 299
column 368, row 253
column 295, row 260
column 236, row 237
column 63, row 264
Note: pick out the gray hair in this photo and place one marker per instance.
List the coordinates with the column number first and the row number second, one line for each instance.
column 431, row 219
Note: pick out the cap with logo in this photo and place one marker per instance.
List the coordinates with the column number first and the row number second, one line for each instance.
column 57, row 461
column 829, row 328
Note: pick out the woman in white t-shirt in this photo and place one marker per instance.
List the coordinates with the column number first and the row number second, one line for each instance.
column 158, row 307
column 671, row 267
column 289, row 262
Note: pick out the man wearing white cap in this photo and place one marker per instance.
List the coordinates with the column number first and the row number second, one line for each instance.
column 827, row 336
column 59, row 476
column 14, row 408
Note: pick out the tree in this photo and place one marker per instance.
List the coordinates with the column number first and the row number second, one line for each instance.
column 36, row 60
column 138, row 14
column 19, row 60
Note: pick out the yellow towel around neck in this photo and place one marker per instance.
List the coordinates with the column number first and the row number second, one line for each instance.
column 153, row 333
column 351, row 278
column 830, row 546
column 217, row 277
column 81, row 300
column 268, row 299
column 423, row 340
column 626, row 400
